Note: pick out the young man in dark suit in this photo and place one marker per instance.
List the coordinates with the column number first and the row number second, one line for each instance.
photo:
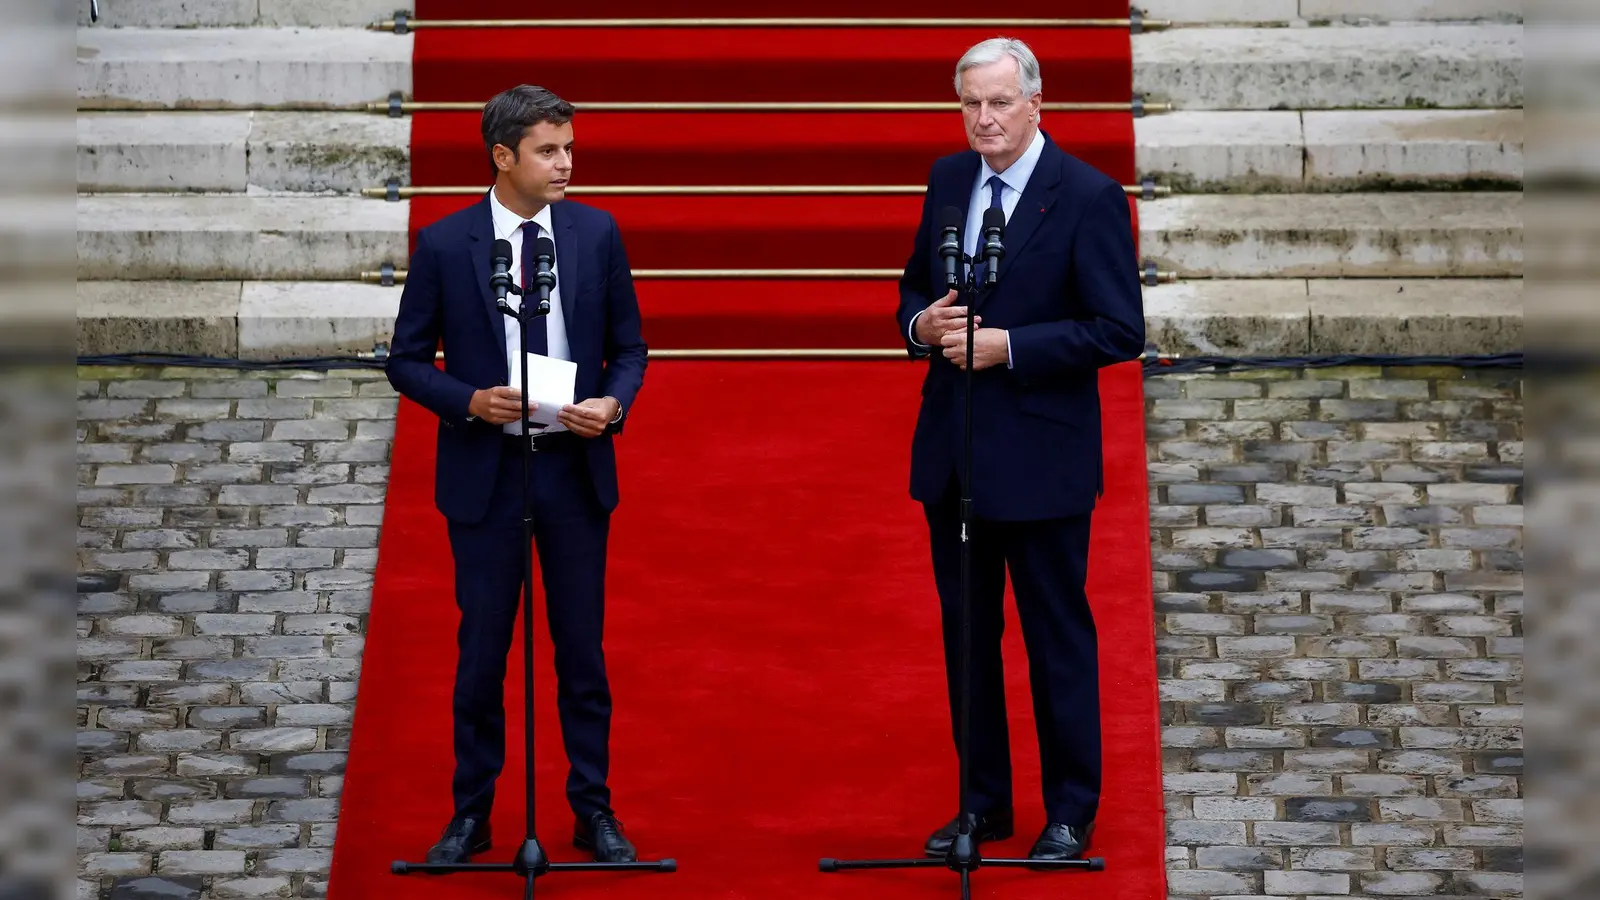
column 1067, row 303
column 594, row 323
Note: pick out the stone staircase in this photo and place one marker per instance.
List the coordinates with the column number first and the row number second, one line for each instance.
column 1348, row 176
column 1343, row 183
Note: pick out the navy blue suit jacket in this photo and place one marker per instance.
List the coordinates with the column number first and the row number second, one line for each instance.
column 447, row 299
column 1068, row 292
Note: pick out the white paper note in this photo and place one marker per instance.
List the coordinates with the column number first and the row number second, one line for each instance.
column 551, row 384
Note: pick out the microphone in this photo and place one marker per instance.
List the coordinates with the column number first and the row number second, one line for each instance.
column 950, row 247
column 500, row 259
column 994, row 225
column 544, row 252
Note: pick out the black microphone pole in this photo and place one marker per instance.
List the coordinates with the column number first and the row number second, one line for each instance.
column 530, row 862
column 963, row 856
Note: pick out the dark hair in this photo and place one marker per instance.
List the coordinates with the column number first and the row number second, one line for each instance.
column 508, row 116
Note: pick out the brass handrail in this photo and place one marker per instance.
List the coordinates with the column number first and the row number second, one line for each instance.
column 409, row 24
column 771, row 353
column 612, row 190
column 415, row 106
column 750, row 353
column 398, row 276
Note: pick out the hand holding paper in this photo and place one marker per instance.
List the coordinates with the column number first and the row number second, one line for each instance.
column 496, row 405
column 589, row 418
column 551, row 385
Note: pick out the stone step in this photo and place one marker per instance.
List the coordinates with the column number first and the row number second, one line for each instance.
column 1290, row 317
column 230, row 319
column 1213, row 12
column 1401, row 66
column 295, row 152
column 1387, row 149
column 1252, row 152
column 1192, row 152
column 1335, row 235
column 239, row 68
column 280, row 320
column 1454, row 66
column 222, row 13
column 208, row 237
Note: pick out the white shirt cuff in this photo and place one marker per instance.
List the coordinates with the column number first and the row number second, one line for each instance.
column 911, row 333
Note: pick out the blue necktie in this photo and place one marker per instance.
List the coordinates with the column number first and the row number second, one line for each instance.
column 978, row 263
column 538, row 334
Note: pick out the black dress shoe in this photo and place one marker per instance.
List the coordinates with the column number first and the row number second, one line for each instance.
column 996, row 826
column 463, row 838
column 601, row 835
column 1060, row 842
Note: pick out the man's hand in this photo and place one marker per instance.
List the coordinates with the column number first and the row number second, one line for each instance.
column 941, row 319
column 498, row 405
column 989, row 348
column 589, row 418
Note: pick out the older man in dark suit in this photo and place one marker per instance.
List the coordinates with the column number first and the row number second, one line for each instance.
column 594, row 323
column 1067, row 303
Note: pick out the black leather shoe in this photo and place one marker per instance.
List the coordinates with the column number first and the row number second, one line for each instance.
column 1059, row 842
column 996, row 826
column 463, row 838
column 601, row 835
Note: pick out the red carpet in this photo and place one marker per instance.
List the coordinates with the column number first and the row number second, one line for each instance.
column 773, row 643
column 757, row 148
column 772, row 627
column 617, row 9
column 727, row 64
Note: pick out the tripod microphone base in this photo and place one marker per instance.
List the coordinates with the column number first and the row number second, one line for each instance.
column 531, row 863
column 531, row 859
column 963, row 860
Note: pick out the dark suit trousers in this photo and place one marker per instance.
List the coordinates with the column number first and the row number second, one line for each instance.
column 570, row 532
column 1049, row 562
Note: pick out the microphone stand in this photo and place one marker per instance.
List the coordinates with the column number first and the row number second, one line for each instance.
column 530, row 862
column 963, row 856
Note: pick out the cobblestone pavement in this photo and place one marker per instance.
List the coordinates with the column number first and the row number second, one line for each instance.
column 228, row 526
column 1338, row 583
column 1338, row 561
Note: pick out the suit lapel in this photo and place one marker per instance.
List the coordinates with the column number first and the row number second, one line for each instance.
column 482, row 247
column 569, row 265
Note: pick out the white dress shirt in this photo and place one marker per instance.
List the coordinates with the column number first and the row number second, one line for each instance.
column 508, row 226
column 1013, row 180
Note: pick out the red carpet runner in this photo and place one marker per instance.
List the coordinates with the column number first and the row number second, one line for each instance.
column 773, row 643
column 772, row 630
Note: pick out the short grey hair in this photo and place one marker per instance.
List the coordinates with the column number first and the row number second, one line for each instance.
column 995, row 49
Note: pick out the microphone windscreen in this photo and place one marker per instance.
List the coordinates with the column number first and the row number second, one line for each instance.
column 544, row 247
column 952, row 217
column 993, row 217
column 502, row 250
